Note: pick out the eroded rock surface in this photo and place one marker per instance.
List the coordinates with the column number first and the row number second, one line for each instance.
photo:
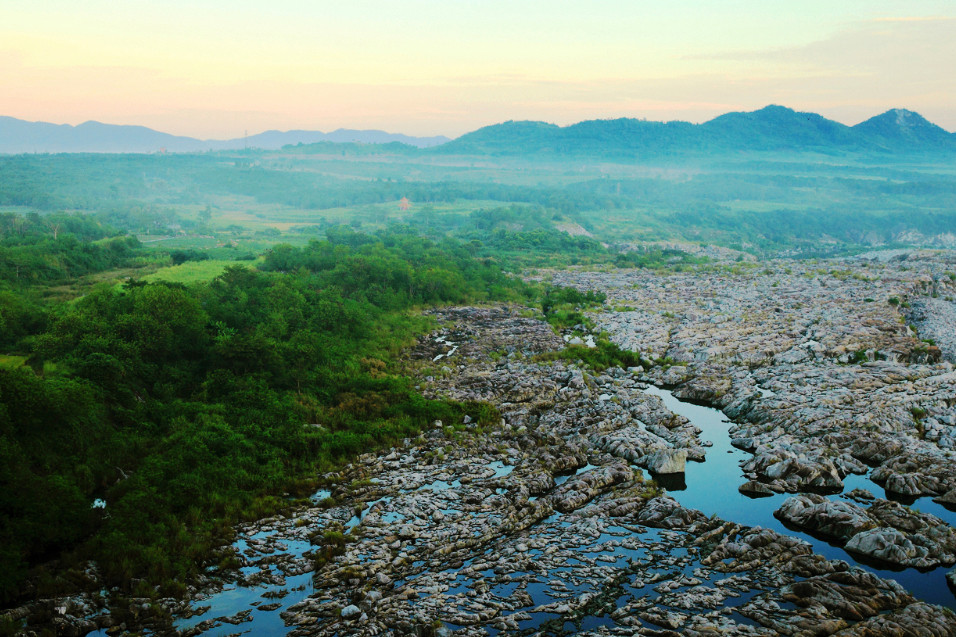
column 813, row 360
column 884, row 530
column 545, row 522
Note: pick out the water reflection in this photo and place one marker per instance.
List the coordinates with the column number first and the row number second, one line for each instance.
column 712, row 487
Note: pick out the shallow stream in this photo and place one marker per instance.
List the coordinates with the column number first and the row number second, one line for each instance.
column 711, row 487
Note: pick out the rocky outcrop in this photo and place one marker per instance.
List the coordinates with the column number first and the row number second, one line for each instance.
column 886, row 530
column 913, row 620
column 664, row 461
column 582, row 488
column 543, row 521
column 831, row 518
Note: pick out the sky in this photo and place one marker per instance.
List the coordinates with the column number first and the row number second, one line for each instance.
column 218, row 69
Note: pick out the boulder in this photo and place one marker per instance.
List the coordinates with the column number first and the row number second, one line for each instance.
column 836, row 519
column 890, row 545
column 948, row 498
column 665, row 461
column 351, row 612
column 754, row 488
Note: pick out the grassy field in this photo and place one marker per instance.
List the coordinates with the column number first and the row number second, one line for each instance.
column 180, row 243
column 9, row 361
column 194, row 271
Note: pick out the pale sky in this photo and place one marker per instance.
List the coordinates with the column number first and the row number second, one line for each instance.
column 216, row 69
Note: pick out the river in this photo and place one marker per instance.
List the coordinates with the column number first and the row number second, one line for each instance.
column 711, row 487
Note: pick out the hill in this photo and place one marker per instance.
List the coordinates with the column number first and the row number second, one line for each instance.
column 19, row 136
column 773, row 128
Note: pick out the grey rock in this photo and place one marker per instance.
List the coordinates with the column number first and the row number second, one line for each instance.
column 665, row 461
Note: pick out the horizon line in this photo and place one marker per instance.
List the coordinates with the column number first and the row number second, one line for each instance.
column 450, row 138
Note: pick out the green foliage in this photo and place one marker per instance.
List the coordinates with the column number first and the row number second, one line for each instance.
column 35, row 249
column 185, row 408
column 563, row 306
column 181, row 256
column 603, row 355
column 655, row 258
column 21, row 315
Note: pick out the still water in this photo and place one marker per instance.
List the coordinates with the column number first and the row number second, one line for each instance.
column 711, row 487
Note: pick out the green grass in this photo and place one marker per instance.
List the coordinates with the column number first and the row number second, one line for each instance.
column 10, row 361
column 179, row 243
column 193, row 271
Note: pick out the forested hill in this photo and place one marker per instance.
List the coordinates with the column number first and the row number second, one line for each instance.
column 773, row 128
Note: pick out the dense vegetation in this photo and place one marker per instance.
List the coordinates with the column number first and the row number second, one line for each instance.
column 184, row 408
column 35, row 249
column 760, row 201
column 258, row 353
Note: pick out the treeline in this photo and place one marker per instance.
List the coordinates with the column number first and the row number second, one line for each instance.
column 39, row 251
column 121, row 183
column 312, row 191
column 184, row 409
column 54, row 247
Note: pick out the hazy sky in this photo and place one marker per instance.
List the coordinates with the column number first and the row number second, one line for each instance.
column 216, row 68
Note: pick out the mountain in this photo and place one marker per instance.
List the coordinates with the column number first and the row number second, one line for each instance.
column 19, row 136
column 902, row 128
column 777, row 128
column 273, row 139
column 506, row 138
column 773, row 128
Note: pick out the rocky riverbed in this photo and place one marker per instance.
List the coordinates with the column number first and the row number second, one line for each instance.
column 816, row 364
column 547, row 521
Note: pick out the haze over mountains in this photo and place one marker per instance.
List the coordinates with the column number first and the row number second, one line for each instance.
column 773, row 128
column 19, row 136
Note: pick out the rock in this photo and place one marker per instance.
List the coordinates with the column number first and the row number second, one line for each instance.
column 835, row 519
column 914, row 619
column 890, row 545
column 860, row 495
column 754, row 488
column 798, row 471
column 665, row 512
column 948, row 498
column 351, row 612
column 665, row 461
column 850, row 595
column 583, row 487
column 886, row 530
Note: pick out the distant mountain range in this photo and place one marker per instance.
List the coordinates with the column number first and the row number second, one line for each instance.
column 19, row 136
column 773, row 128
